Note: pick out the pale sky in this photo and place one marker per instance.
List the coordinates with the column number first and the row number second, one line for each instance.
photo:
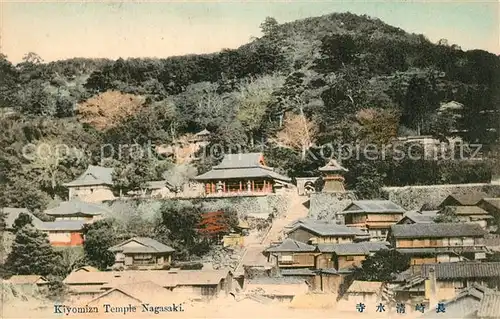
column 59, row 30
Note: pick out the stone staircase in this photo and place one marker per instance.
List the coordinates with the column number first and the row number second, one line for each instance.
column 294, row 211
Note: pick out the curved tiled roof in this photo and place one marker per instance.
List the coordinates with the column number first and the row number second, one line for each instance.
column 94, row 175
column 77, row 207
column 437, row 230
column 247, row 165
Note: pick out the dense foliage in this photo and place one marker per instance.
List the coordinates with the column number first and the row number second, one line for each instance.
column 383, row 266
column 337, row 79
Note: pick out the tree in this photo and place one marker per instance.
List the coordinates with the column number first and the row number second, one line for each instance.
column 135, row 175
column 298, row 133
column 32, row 254
column 108, row 109
column 99, row 236
column 253, row 99
column 178, row 228
column 378, row 126
column 22, row 220
column 382, row 266
column 447, row 215
column 49, row 163
column 269, row 26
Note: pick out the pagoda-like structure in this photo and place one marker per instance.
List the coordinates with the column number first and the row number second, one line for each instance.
column 333, row 177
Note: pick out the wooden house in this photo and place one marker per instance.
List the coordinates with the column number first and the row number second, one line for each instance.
column 346, row 256
column 241, row 174
column 292, row 254
column 94, row 185
column 134, row 294
column 374, row 216
column 492, row 206
column 199, row 283
column 142, row 253
column 29, row 280
column 450, row 279
column 321, row 232
column 463, row 199
column 489, row 307
column 464, row 305
column 438, row 242
column 418, row 217
column 466, row 208
column 279, row 288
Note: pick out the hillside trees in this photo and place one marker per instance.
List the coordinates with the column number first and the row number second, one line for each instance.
column 108, row 109
column 100, row 236
column 253, row 99
column 32, row 254
column 298, row 133
column 178, row 228
column 382, row 266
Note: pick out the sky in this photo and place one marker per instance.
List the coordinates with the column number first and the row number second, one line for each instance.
column 102, row 29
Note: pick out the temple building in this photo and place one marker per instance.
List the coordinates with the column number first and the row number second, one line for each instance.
column 332, row 175
column 94, row 185
column 242, row 174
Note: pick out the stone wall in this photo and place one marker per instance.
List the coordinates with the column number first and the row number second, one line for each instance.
column 327, row 205
column 251, row 206
column 413, row 197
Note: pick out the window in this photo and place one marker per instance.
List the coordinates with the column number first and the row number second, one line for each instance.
column 383, row 232
column 206, row 291
column 286, row 258
column 91, row 190
column 349, row 258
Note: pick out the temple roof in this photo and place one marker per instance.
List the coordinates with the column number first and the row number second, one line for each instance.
column 249, row 165
column 333, row 166
column 94, row 175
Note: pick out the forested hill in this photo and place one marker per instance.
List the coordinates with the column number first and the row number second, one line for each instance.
column 339, row 78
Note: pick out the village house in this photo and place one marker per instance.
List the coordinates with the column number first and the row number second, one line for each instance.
column 446, row 279
column 416, row 217
column 142, row 253
column 439, row 242
column 369, row 293
column 492, row 206
column 86, row 269
column 242, row 174
column 465, row 305
column 346, row 256
column 30, row 281
column 282, row 289
column 94, row 185
column 465, row 207
column 134, row 294
column 489, row 308
column 374, row 216
column 315, row 232
column 463, row 199
column 292, row 254
column 196, row 283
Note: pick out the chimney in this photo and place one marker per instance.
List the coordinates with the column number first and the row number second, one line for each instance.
column 431, row 287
